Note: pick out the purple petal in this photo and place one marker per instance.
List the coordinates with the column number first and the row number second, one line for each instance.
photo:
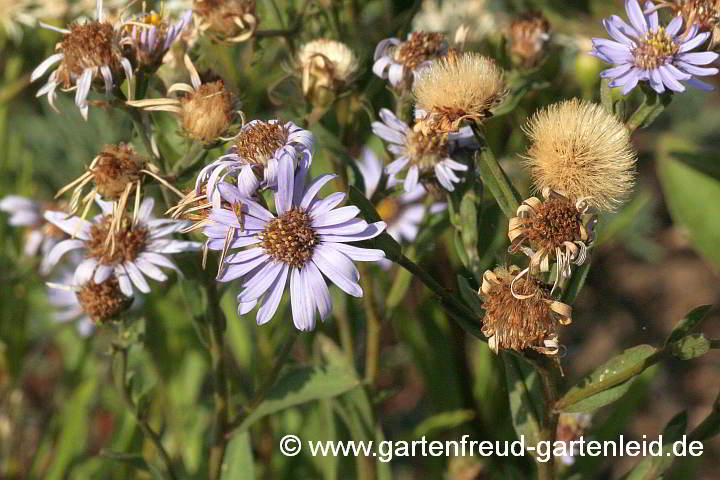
column 73, row 226
column 316, row 283
column 319, row 207
column 698, row 58
column 695, row 42
column 314, row 188
column 616, row 71
column 303, row 310
column 674, row 26
column 284, row 195
column 652, row 18
column 338, row 268
column 692, row 69
column 670, row 81
column 335, row 217
column 271, row 300
column 60, row 250
column 411, row 180
column 372, row 231
column 635, row 15
column 261, row 281
column 137, row 277
column 358, row 254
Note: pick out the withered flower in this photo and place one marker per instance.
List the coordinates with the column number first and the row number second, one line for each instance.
column 227, row 20
column 528, row 37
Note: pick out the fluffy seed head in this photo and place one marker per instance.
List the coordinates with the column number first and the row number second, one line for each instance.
column 458, row 87
column 115, row 167
column 129, row 240
column 578, row 149
column 517, row 323
column 102, row 301
column 290, row 238
column 207, row 112
column 325, row 63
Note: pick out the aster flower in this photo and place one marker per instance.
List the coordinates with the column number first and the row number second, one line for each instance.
column 647, row 51
column 552, row 229
column 89, row 52
column 137, row 248
column 520, row 313
column 227, row 20
column 305, row 240
column 426, row 154
column 42, row 236
column 577, row 148
column 459, row 88
column 402, row 213
column 325, row 64
column 398, row 61
column 150, row 35
column 206, row 111
column 255, row 154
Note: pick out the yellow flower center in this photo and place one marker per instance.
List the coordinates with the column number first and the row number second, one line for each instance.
column 654, row 50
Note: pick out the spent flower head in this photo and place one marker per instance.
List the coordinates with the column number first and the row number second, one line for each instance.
column 528, row 38
column 89, row 52
column 398, row 61
column 226, row 20
column 553, row 229
column 460, row 87
column 305, row 239
column 580, row 150
column 206, row 111
column 520, row 312
column 149, row 35
column 657, row 54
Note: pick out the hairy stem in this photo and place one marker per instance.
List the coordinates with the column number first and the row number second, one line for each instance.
column 123, row 385
column 216, row 329
column 374, row 323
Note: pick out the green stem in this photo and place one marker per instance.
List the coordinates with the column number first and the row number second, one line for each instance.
column 264, row 389
column 494, row 177
column 123, row 385
column 372, row 340
column 216, row 329
column 548, row 432
column 468, row 320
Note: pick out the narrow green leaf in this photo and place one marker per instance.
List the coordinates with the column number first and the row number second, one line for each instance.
column 525, row 396
column 693, row 198
column 301, row 385
column 238, row 463
column 652, row 467
column 608, row 382
column 468, row 294
column 688, row 323
column 653, row 105
column 442, row 422
column 577, row 281
column 495, row 179
column 136, row 461
column 690, row 346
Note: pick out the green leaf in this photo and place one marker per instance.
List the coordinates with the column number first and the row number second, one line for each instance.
column 690, row 347
column 238, row 463
column 609, row 382
column 653, row 105
column 693, row 198
column 301, row 385
column 688, row 323
column 442, row 422
column 525, row 397
column 384, row 241
column 469, row 295
column 134, row 460
column 652, row 466
column 576, row 283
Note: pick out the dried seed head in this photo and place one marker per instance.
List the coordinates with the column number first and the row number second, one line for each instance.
column 325, row 63
column 519, row 315
column 206, row 113
column 231, row 20
column 420, row 48
column 459, row 87
column 579, row 149
column 128, row 242
column 555, row 222
column 258, row 141
column 88, row 45
column 115, row 167
column 528, row 37
column 290, row 238
column 102, row 301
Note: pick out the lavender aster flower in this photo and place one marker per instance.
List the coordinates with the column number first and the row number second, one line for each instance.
column 88, row 51
column 42, row 236
column 305, row 240
column 254, row 156
column 403, row 213
column 647, row 51
column 397, row 60
column 151, row 35
column 425, row 153
column 131, row 252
